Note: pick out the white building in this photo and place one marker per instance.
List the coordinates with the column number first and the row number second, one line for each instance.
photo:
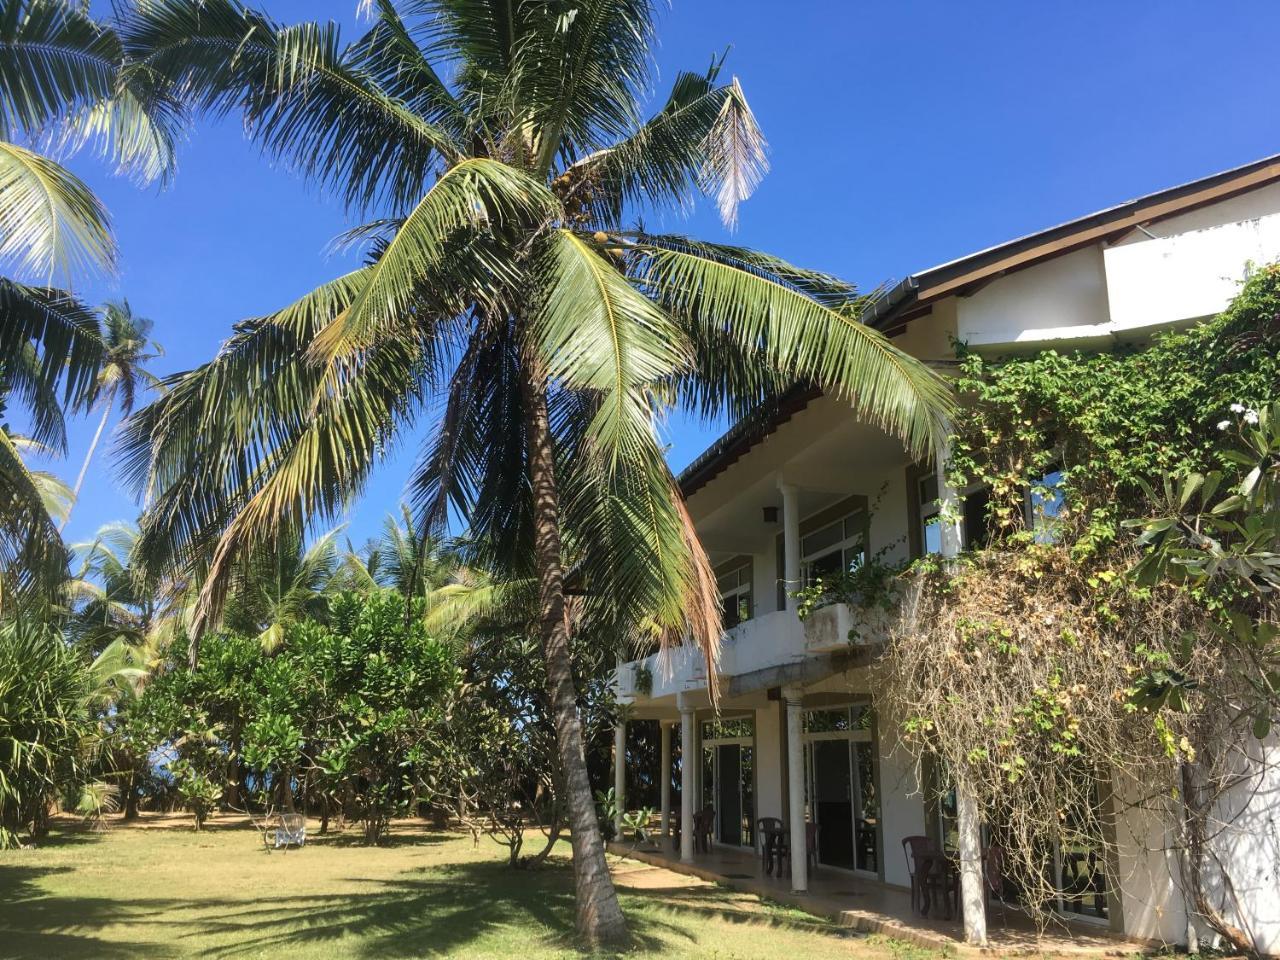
column 774, row 502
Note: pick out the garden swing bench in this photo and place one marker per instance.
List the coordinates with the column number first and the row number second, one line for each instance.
column 283, row 831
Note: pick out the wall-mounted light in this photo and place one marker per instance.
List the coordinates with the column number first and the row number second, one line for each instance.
column 770, row 514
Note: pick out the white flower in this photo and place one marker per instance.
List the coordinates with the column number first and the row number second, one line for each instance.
column 1224, row 424
column 1251, row 416
column 1238, row 408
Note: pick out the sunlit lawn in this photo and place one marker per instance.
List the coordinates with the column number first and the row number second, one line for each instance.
column 164, row 891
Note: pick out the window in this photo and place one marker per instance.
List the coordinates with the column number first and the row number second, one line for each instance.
column 834, row 548
column 735, row 595
column 1044, row 504
column 975, row 525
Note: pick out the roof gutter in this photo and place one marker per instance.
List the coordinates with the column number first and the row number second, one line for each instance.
column 885, row 305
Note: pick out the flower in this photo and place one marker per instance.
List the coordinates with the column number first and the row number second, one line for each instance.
column 1238, row 408
column 1224, row 424
column 1251, row 416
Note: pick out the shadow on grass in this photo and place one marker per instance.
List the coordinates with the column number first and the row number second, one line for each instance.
column 431, row 911
column 355, row 838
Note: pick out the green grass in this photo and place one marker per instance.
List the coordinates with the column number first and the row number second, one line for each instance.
column 165, row 891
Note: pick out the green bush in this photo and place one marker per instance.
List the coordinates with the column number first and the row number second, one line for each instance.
column 44, row 726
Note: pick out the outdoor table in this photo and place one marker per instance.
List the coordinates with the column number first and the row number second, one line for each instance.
column 946, row 863
column 773, row 846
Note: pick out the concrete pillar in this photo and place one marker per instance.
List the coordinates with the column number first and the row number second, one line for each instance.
column 790, row 541
column 664, row 735
column 949, row 504
column 619, row 774
column 795, row 790
column 972, row 903
column 688, row 764
column 969, row 823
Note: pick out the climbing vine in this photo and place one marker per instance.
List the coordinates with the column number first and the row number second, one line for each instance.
column 1052, row 672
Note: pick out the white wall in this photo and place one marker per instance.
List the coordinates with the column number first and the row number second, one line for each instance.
column 1188, row 275
column 764, row 582
column 1245, row 838
column 1171, row 272
column 1059, row 299
column 902, row 810
column 770, row 777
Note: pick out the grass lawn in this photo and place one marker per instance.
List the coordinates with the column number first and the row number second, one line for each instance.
column 161, row 890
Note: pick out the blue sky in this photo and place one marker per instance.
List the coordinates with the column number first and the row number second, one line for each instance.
column 902, row 134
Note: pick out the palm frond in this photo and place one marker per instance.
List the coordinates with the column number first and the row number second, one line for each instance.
column 703, row 140
column 801, row 337
column 580, row 73
column 263, row 440
column 65, row 336
column 33, row 559
column 475, row 597
column 596, row 332
column 438, row 254
column 306, row 98
column 52, row 223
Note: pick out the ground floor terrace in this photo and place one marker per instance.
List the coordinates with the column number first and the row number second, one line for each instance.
column 869, row 906
column 797, row 756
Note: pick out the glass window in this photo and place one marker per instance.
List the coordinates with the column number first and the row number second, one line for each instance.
column 735, row 596
column 975, row 525
column 728, row 728
column 1044, row 504
column 826, row 721
column 835, row 548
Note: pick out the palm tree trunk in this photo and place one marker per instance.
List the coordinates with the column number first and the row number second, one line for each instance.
column 84, row 468
column 599, row 917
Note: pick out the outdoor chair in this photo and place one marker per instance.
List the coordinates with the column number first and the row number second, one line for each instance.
column 285, row 831
column 810, row 853
column 913, row 848
column 769, row 830
column 704, row 824
column 993, row 877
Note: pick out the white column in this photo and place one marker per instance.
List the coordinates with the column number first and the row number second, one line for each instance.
column 790, row 541
column 664, row 733
column 619, row 774
column 971, row 899
column 949, row 504
column 688, row 762
column 972, row 902
column 795, row 790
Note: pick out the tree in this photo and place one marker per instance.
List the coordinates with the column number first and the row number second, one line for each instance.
column 121, row 374
column 63, row 83
column 504, row 276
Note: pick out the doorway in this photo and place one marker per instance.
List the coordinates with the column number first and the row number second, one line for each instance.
column 842, row 792
column 728, row 779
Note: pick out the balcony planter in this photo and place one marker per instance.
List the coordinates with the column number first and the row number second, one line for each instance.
column 828, row 628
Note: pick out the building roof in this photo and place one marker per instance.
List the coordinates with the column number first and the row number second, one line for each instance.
column 912, row 296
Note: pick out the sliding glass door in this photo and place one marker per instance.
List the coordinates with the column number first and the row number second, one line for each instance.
column 842, row 792
column 728, row 779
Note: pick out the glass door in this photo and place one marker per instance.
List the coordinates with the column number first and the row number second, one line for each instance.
column 842, row 791
column 728, row 779
column 866, row 824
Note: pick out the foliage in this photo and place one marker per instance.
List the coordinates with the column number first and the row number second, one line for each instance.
column 63, row 85
column 503, row 280
column 1070, row 663
column 1113, row 421
column 349, row 708
column 44, row 726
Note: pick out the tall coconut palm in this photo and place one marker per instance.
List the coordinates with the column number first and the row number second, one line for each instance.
column 121, row 375
column 62, row 86
column 502, row 147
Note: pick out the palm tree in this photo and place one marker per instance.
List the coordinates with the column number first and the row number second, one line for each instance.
column 401, row 560
column 501, row 145
column 62, row 85
column 284, row 585
column 121, row 374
